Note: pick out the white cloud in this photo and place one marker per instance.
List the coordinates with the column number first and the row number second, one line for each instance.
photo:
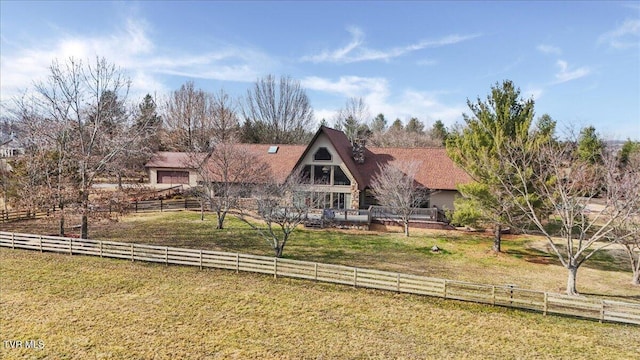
column 355, row 51
column 624, row 36
column 348, row 86
column 533, row 92
column 565, row 74
column 549, row 49
column 131, row 48
column 426, row 106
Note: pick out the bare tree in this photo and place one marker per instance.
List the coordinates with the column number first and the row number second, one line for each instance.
column 227, row 172
column 280, row 210
column 222, row 110
column 195, row 119
column 186, row 119
column 80, row 100
column 45, row 177
column 627, row 229
column 555, row 175
column 630, row 241
column 277, row 113
column 394, row 186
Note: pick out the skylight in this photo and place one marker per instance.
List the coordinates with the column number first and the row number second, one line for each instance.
column 272, row 149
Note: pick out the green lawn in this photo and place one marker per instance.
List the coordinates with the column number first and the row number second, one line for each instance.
column 464, row 256
column 90, row 308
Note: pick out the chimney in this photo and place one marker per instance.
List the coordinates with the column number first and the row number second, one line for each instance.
column 358, row 150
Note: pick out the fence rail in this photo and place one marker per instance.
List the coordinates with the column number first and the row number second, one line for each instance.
column 507, row 296
column 163, row 205
column 17, row 215
column 417, row 214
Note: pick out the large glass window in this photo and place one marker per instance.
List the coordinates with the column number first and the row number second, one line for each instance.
column 306, row 174
column 321, row 200
column 338, row 201
column 339, row 177
column 322, row 155
column 322, row 175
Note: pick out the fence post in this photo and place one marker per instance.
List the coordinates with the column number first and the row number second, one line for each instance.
column 201, row 259
column 136, row 206
column 237, row 262
column 100, row 248
column 275, row 267
column 132, row 252
column 601, row 311
column 355, row 277
column 315, row 271
column 13, row 240
column 546, row 303
column 445, row 289
column 398, row 281
column 70, row 246
column 166, row 255
column 185, row 204
column 511, row 287
column 40, row 238
column 493, row 295
column 160, row 205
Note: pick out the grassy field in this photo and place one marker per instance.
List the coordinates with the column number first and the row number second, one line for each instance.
column 524, row 262
column 92, row 308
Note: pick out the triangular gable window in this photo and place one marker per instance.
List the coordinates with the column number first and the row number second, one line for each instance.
column 322, row 155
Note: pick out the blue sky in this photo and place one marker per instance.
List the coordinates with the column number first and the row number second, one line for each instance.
column 580, row 61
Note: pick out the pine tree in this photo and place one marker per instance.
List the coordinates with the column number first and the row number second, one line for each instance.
column 495, row 125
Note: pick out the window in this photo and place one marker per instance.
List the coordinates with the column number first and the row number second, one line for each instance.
column 322, row 155
column 339, row 201
column 321, row 175
column 306, row 174
column 339, row 177
column 321, row 200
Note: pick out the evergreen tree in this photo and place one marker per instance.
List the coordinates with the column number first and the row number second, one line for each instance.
column 379, row 124
column 495, row 126
column 415, row 126
column 439, row 131
column 149, row 122
column 630, row 149
column 590, row 146
column 397, row 125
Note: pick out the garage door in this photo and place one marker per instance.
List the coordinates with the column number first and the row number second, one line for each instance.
column 173, row 177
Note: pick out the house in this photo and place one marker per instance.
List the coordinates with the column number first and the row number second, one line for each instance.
column 10, row 148
column 338, row 174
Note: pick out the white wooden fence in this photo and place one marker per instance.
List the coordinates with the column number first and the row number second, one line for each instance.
column 545, row 302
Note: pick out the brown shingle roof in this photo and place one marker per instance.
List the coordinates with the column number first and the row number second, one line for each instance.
column 169, row 159
column 437, row 170
column 282, row 162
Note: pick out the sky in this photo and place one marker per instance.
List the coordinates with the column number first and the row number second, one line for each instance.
column 579, row 61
